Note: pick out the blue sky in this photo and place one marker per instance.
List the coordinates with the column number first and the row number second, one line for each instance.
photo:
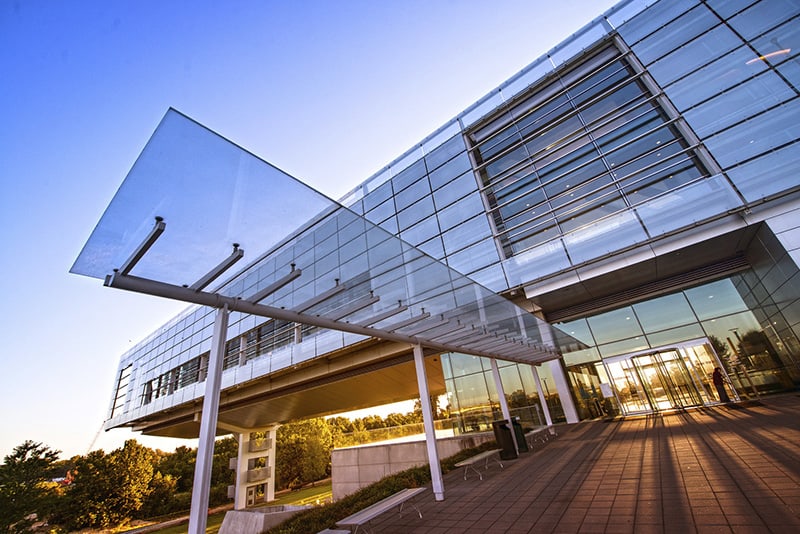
column 329, row 91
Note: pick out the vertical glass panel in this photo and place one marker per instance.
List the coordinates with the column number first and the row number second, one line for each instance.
column 769, row 174
column 415, row 213
column 512, row 383
column 412, row 193
column 409, row 175
column 455, row 167
column 713, row 44
column 533, row 73
column 625, row 11
column 688, row 205
column 463, row 209
column 377, row 196
column 390, row 225
column 536, row 262
column 441, row 136
column 445, row 152
column 433, row 248
column 728, row 71
column 780, row 47
column 695, row 22
column 421, row 232
column 457, row 188
column 741, row 102
column 482, row 108
column 465, row 234
column 715, row 299
column 653, row 18
column 491, row 277
column 727, row 8
column 464, row 364
column 633, row 344
column 578, row 43
column 614, row 325
column 604, row 236
column 579, row 330
column 763, row 16
column 473, row 258
column 664, row 312
column 376, row 181
column 758, row 135
column 382, row 212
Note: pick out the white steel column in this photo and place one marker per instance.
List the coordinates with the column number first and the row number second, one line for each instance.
column 427, row 421
column 198, row 515
column 240, row 492
column 542, row 397
column 501, row 395
column 564, row 394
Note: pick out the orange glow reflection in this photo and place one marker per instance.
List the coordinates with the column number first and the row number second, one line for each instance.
column 767, row 56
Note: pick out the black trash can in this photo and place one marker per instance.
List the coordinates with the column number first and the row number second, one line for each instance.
column 522, row 445
column 502, row 435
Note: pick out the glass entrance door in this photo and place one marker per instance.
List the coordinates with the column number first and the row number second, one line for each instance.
column 666, row 378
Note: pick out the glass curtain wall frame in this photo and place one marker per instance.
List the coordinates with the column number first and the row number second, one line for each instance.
column 473, row 401
column 584, row 147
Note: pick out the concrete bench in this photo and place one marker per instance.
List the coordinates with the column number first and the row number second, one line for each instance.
column 484, row 457
column 362, row 517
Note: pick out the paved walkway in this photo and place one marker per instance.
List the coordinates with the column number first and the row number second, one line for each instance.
column 722, row 469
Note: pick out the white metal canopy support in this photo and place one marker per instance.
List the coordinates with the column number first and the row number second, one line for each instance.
column 214, row 300
column 218, row 271
column 542, row 397
column 198, row 515
column 501, row 395
column 427, row 421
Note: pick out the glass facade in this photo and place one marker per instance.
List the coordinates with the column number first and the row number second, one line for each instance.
column 663, row 135
column 715, row 316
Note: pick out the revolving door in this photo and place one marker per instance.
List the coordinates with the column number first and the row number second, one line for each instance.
column 665, row 378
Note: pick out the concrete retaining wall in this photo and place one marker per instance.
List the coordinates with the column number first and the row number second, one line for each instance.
column 353, row 468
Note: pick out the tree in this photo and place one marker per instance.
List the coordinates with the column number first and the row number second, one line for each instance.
column 303, row 452
column 159, row 500
column 221, row 473
column 108, row 489
column 180, row 466
column 23, row 485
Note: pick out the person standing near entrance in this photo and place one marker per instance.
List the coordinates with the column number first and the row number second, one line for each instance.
column 719, row 383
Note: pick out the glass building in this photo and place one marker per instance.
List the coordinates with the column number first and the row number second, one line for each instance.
column 637, row 188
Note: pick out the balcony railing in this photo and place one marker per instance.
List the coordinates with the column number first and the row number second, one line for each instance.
column 257, row 475
column 259, row 444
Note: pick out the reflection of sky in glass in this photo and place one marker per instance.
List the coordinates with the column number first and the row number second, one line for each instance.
column 212, row 194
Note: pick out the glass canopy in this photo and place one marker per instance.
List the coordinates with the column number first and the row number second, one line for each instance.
column 304, row 252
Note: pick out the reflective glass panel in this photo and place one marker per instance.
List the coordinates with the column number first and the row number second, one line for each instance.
column 664, row 312
column 212, row 193
column 715, row 299
column 614, row 325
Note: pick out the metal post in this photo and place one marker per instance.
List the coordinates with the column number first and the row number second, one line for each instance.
column 427, row 421
column 498, row 384
column 563, row 388
column 198, row 515
column 542, row 397
column 240, row 495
